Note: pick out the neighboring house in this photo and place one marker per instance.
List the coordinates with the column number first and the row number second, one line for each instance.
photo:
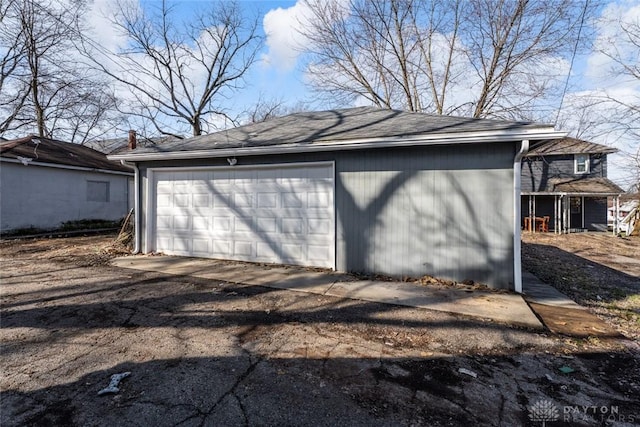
column 622, row 216
column 44, row 182
column 360, row 190
column 566, row 181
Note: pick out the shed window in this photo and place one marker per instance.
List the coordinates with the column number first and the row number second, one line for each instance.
column 97, row 191
column 581, row 162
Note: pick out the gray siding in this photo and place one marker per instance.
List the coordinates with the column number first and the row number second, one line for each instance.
column 44, row 197
column 443, row 211
column 537, row 171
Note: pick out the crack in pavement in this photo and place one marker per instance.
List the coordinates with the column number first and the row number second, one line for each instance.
column 232, row 389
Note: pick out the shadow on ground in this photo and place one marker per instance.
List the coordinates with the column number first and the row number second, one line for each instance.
column 208, row 353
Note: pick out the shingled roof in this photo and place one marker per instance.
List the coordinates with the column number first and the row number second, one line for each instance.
column 33, row 149
column 569, row 145
column 580, row 186
column 335, row 127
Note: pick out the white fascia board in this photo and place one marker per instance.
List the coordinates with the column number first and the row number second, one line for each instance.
column 68, row 167
column 354, row 144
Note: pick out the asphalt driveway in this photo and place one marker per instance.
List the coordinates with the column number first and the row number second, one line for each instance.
column 206, row 352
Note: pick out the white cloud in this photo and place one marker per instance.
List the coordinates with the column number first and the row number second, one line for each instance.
column 283, row 28
column 284, row 40
column 99, row 20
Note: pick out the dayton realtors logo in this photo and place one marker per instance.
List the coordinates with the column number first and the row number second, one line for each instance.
column 544, row 411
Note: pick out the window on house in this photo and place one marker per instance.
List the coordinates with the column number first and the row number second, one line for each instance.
column 97, row 191
column 581, row 163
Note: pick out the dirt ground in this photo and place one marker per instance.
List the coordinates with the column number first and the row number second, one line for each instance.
column 207, row 353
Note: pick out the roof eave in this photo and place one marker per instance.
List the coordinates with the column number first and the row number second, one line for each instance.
column 69, row 167
column 354, row 144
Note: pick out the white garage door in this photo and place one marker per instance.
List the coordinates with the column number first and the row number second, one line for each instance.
column 278, row 214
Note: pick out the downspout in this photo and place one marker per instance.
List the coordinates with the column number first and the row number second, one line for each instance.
column 517, row 248
column 136, row 204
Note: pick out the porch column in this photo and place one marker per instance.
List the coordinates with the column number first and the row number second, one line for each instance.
column 616, row 213
column 556, row 214
column 530, row 212
column 568, row 212
column 582, row 211
column 533, row 218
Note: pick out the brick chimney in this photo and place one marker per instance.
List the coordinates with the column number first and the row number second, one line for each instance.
column 132, row 140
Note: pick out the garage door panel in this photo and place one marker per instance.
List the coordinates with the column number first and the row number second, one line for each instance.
column 292, row 225
column 242, row 224
column 221, row 247
column 319, row 226
column 267, row 225
column 181, row 200
column 243, row 249
column 201, row 247
column 222, row 224
column 163, row 222
column 317, row 253
column 275, row 214
column 181, row 222
column 265, row 251
column 291, row 200
column 267, row 200
column 201, row 223
column 201, row 201
column 182, row 245
column 221, row 200
column 243, row 200
column 164, row 200
column 318, row 199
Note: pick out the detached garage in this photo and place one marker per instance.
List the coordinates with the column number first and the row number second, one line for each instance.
column 361, row 190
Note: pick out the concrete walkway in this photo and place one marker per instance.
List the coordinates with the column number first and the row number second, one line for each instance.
column 500, row 307
column 561, row 314
column 539, row 292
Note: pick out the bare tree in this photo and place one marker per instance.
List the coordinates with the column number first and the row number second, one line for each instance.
column 13, row 89
column 43, row 88
column 624, row 51
column 619, row 111
column 361, row 50
column 267, row 109
column 479, row 57
column 510, row 44
column 176, row 75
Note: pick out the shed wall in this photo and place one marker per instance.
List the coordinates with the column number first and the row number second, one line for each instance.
column 43, row 197
column 445, row 211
